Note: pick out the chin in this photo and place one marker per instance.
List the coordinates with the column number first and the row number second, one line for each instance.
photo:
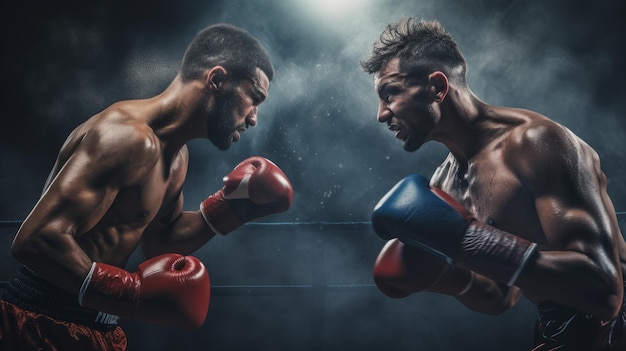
column 411, row 146
column 222, row 144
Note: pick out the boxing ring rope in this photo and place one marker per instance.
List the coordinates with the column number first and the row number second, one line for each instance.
column 318, row 290
column 319, row 282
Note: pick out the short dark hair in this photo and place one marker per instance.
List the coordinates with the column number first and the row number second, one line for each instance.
column 225, row 45
column 421, row 46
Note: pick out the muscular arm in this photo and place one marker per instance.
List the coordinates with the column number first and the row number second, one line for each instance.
column 489, row 297
column 173, row 229
column 578, row 265
column 484, row 295
column 91, row 170
column 255, row 188
column 177, row 231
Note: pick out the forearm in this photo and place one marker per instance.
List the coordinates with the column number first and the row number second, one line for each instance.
column 186, row 234
column 54, row 257
column 487, row 296
column 573, row 279
column 548, row 275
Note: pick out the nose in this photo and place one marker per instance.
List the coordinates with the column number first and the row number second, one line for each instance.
column 251, row 119
column 383, row 114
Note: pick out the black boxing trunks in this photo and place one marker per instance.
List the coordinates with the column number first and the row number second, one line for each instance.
column 37, row 315
column 565, row 329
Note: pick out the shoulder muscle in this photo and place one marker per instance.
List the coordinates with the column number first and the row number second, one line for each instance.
column 120, row 152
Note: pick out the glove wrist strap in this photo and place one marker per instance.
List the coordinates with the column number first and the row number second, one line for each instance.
column 218, row 215
column 494, row 253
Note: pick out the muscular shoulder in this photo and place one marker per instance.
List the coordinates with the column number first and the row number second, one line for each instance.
column 118, row 145
column 542, row 149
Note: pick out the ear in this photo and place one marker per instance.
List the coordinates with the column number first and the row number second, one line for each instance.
column 215, row 77
column 439, row 82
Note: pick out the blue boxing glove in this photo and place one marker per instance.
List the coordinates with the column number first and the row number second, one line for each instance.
column 427, row 218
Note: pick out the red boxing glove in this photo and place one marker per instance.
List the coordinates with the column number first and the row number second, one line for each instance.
column 401, row 270
column 254, row 189
column 168, row 289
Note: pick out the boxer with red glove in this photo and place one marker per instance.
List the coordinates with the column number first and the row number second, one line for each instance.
column 168, row 289
column 255, row 188
column 401, row 270
column 430, row 219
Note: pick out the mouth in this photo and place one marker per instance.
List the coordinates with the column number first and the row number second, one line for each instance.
column 237, row 133
column 400, row 133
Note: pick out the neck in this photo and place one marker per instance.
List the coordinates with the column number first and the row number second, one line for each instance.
column 461, row 126
column 172, row 120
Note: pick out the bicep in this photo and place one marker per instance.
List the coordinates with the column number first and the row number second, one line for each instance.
column 86, row 181
column 569, row 191
column 74, row 201
column 70, row 206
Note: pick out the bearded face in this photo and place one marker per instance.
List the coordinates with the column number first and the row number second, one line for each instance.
column 223, row 130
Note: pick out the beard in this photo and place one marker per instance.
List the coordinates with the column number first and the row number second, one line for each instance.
column 221, row 131
column 421, row 130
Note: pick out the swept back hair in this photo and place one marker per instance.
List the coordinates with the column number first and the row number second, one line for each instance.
column 422, row 48
column 225, row 45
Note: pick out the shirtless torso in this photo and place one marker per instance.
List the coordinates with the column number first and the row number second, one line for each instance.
column 115, row 184
column 541, row 205
column 150, row 192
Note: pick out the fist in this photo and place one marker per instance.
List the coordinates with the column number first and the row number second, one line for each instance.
column 175, row 289
column 419, row 217
column 429, row 219
column 168, row 289
column 401, row 270
column 255, row 188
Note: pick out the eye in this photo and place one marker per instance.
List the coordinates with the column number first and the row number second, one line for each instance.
column 389, row 93
column 255, row 100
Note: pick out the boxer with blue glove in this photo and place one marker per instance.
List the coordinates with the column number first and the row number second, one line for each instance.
column 519, row 207
column 427, row 218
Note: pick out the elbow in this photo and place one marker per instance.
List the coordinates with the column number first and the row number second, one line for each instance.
column 20, row 250
column 608, row 297
column 611, row 305
column 30, row 249
column 614, row 296
column 24, row 251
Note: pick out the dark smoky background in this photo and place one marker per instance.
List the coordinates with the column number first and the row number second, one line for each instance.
column 301, row 280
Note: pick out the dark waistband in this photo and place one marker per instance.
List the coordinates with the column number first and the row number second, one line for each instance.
column 31, row 292
column 549, row 310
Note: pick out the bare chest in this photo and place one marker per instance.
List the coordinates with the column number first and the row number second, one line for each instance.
column 135, row 207
column 488, row 189
column 139, row 204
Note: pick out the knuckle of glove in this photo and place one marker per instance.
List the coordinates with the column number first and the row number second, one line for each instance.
column 159, row 263
column 269, row 188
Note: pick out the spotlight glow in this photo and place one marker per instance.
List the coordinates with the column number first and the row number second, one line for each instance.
column 335, row 6
column 332, row 9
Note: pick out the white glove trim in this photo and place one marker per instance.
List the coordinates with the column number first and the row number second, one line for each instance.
column 83, row 287
column 211, row 226
column 242, row 189
column 525, row 258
